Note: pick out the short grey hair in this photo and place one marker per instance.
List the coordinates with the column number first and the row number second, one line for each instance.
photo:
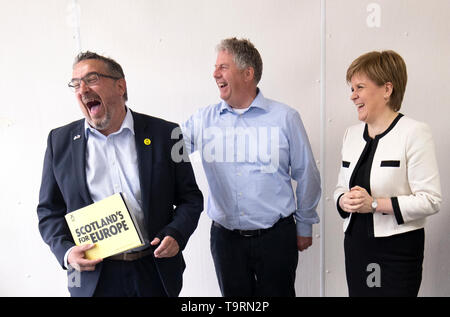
column 244, row 55
column 113, row 67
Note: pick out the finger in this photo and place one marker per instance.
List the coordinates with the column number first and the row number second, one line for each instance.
column 356, row 201
column 79, row 251
column 168, row 248
column 349, row 208
column 354, row 195
column 85, row 262
column 162, row 253
column 355, row 208
column 357, row 193
column 86, row 247
column 75, row 266
column 85, row 265
column 305, row 247
column 355, row 205
column 162, row 249
column 77, row 254
column 347, row 195
column 344, row 206
column 346, row 202
column 155, row 241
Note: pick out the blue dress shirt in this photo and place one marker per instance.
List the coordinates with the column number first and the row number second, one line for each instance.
column 249, row 161
column 112, row 167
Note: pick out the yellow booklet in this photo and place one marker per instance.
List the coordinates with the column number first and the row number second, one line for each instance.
column 107, row 223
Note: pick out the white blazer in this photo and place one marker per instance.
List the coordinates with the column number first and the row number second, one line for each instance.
column 404, row 169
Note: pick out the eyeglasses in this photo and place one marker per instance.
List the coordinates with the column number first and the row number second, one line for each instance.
column 90, row 79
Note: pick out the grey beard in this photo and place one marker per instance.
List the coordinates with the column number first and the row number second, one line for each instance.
column 103, row 124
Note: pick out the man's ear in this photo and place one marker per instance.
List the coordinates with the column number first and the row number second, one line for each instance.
column 249, row 74
column 122, row 85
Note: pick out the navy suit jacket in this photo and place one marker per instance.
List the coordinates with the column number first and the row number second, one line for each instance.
column 171, row 200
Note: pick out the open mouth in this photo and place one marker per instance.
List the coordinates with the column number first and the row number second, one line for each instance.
column 222, row 85
column 360, row 106
column 93, row 106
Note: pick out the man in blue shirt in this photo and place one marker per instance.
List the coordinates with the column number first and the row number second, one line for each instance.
column 251, row 149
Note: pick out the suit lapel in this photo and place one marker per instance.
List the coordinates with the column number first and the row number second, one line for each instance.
column 78, row 145
column 145, row 158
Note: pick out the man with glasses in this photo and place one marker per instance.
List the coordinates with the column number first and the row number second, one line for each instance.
column 117, row 150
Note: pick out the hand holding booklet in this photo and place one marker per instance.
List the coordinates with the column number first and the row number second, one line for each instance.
column 108, row 224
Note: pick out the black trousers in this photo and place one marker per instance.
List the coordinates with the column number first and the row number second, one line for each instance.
column 384, row 266
column 260, row 265
column 137, row 278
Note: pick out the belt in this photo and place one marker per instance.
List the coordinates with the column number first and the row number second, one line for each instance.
column 253, row 233
column 131, row 256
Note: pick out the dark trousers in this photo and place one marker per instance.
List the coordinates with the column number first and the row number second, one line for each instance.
column 137, row 278
column 260, row 265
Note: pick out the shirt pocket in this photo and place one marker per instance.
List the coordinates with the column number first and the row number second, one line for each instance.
column 390, row 163
column 345, row 164
column 346, row 169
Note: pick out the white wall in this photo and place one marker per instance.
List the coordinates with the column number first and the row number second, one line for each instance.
column 166, row 48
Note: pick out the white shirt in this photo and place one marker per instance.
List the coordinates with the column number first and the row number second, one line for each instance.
column 112, row 167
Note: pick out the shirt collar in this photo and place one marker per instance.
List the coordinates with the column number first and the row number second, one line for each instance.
column 127, row 123
column 258, row 102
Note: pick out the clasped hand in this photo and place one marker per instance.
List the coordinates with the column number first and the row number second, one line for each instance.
column 356, row 200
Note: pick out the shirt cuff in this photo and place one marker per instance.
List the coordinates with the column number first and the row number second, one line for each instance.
column 66, row 256
column 304, row 229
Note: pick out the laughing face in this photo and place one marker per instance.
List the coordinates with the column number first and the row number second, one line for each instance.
column 234, row 84
column 102, row 103
column 369, row 98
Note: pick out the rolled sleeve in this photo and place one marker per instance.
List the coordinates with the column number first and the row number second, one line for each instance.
column 304, row 171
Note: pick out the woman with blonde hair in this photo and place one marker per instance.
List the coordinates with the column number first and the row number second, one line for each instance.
column 388, row 182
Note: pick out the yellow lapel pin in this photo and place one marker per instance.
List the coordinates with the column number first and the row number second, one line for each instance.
column 147, row 141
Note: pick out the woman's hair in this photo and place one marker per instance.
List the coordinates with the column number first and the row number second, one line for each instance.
column 382, row 67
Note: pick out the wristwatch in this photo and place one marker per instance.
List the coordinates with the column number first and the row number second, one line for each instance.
column 374, row 205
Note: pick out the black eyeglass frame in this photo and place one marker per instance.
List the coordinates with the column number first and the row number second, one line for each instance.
column 76, row 87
